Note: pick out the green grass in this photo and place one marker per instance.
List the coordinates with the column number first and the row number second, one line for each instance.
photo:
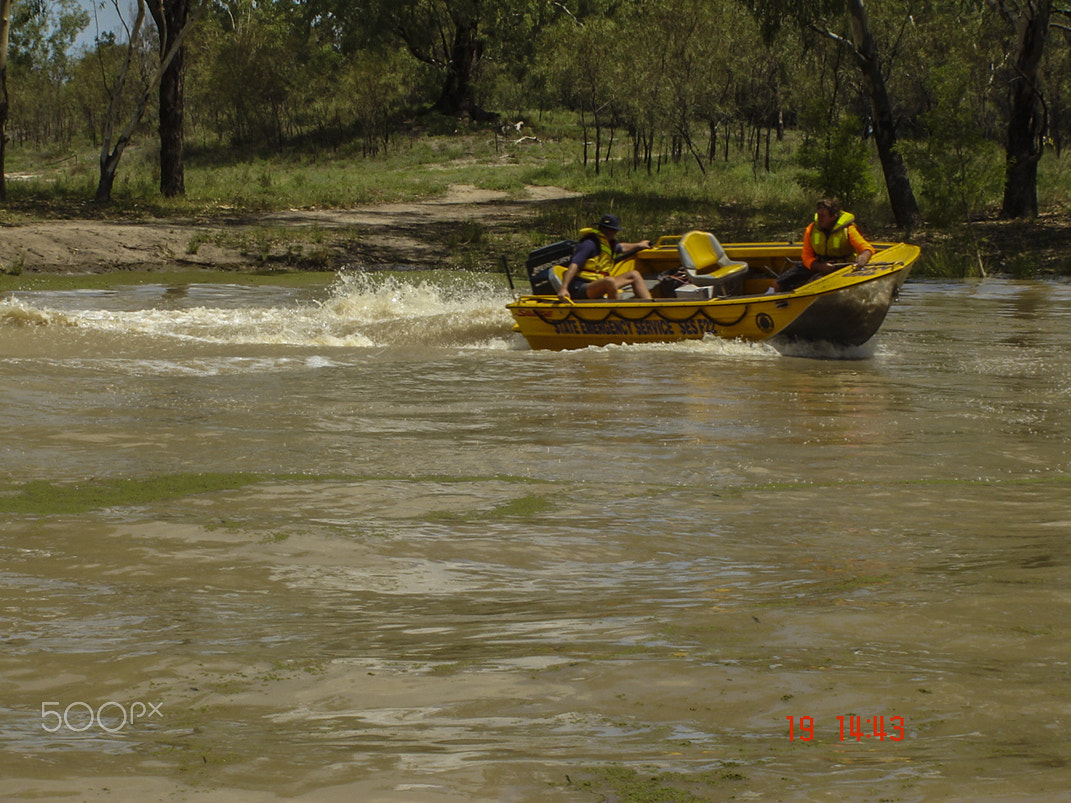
column 737, row 198
column 419, row 166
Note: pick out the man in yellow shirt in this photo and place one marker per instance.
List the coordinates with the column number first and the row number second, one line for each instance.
column 590, row 272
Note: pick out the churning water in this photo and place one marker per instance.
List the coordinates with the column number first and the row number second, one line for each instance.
column 358, row 542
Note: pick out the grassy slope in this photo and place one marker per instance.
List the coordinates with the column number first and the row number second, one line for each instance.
column 737, row 199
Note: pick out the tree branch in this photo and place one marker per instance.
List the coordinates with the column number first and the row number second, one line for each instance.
column 836, row 37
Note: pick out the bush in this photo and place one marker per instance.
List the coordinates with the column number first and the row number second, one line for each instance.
column 961, row 171
column 836, row 162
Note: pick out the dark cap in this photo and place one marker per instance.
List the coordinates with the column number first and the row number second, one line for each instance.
column 610, row 222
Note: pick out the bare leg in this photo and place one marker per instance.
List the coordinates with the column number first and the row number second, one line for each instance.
column 603, row 288
column 639, row 286
column 610, row 287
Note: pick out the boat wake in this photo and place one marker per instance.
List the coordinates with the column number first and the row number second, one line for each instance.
column 357, row 310
column 822, row 350
column 389, row 311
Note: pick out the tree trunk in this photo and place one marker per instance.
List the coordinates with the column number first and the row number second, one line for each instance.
column 171, row 17
column 172, row 106
column 5, row 29
column 905, row 208
column 1027, row 124
column 458, row 94
column 109, row 165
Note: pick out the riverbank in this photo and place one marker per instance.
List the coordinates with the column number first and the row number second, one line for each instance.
column 466, row 227
column 409, row 234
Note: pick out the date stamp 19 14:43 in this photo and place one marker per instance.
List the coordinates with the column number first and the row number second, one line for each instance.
column 852, row 727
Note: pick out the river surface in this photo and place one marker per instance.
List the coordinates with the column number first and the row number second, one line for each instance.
column 356, row 542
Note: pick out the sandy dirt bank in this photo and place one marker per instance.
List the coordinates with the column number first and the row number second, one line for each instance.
column 365, row 236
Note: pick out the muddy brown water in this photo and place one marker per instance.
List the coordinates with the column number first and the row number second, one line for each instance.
column 392, row 555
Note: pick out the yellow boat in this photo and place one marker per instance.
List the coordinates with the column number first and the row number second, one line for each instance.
column 726, row 292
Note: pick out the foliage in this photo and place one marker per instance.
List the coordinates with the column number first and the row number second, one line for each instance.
column 836, row 162
column 632, row 92
column 246, row 78
column 42, row 34
column 960, row 169
column 41, row 70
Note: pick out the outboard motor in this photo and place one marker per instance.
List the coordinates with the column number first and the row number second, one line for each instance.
column 539, row 262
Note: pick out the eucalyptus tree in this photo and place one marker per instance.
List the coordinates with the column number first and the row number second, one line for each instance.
column 43, row 32
column 250, row 74
column 457, row 38
column 700, row 62
column 846, row 23
column 575, row 66
column 950, row 102
column 1031, row 22
column 148, row 74
column 114, row 144
column 671, row 69
column 453, row 37
column 5, row 33
column 647, row 96
column 732, row 75
column 654, row 68
column 763, row 91
column 37, row 64
column 173, row 19
column 375, row 87
column 35, row 39
column 1057, row 69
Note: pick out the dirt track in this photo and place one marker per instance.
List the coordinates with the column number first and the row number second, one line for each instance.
column 404, row 233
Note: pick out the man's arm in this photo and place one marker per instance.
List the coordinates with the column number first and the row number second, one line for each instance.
column 808, row 256
column 863, row 249
column 570, row 273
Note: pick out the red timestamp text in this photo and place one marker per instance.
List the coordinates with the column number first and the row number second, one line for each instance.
column 852, row 727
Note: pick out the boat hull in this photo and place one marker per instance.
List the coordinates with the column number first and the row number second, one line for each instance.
column 548, row 323
column 854, row 314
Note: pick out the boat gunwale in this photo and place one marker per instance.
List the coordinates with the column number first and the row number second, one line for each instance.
column 824, row 285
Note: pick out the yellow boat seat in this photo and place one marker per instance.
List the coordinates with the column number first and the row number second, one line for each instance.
column 705, row 261
column 555, row 274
